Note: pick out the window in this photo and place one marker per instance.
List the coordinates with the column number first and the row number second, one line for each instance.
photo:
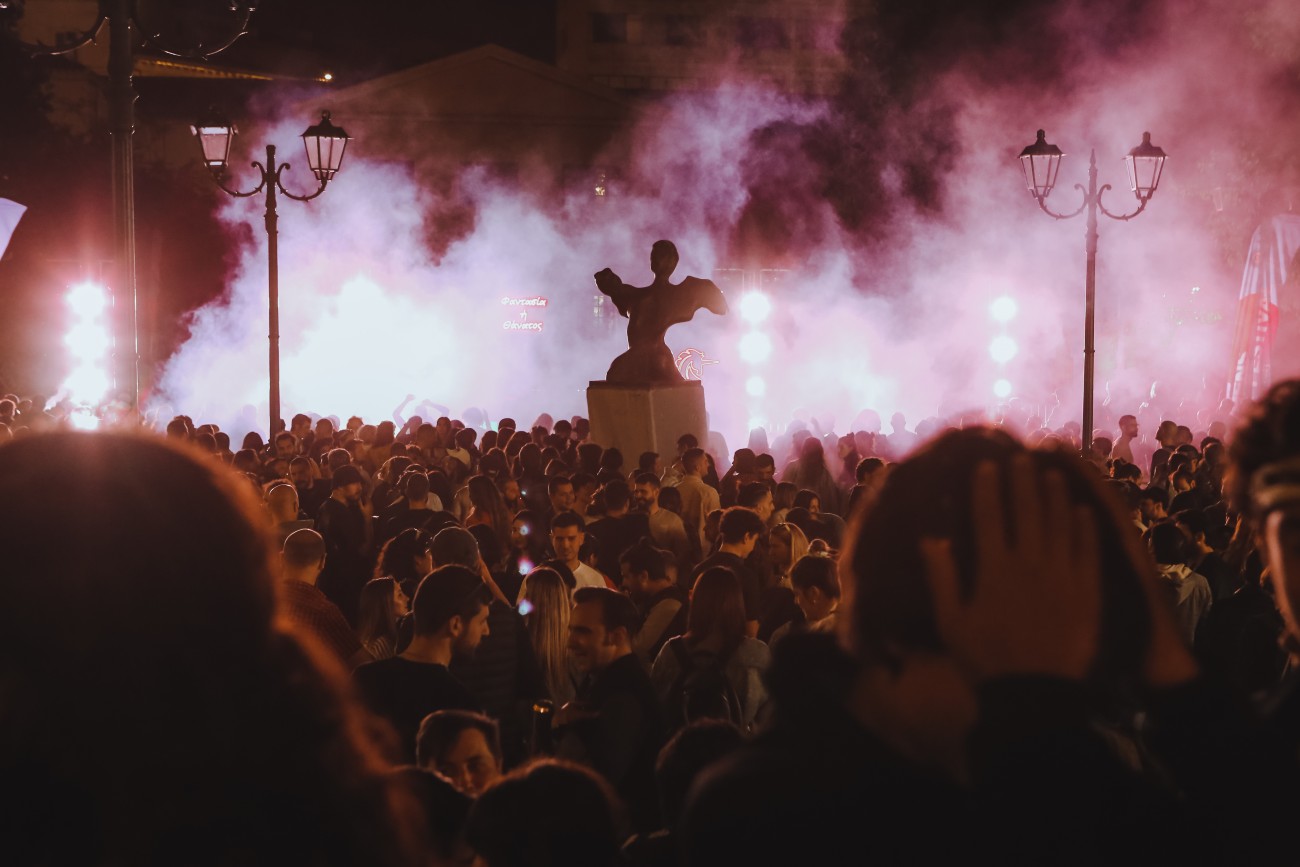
column 608, row 27
column 761, row 33
column 683, row 30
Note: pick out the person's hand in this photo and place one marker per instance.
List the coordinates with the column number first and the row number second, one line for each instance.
column 571, row 713
column 1035, row 607
column 607, row 281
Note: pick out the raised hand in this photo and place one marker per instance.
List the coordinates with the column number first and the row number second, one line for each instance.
column 1035, row 607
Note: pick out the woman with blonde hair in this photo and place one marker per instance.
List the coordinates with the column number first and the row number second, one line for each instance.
column 786, row 544
column 545, row 607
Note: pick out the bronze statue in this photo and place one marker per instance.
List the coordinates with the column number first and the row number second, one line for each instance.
column 650, row 310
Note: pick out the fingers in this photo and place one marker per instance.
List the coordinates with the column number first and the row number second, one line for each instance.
column 987, row 517
column 1058, row 530
column 941, row 577
column 1085, row 555
column 1027, row 506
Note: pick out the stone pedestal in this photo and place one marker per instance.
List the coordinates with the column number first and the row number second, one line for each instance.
column 646, row 418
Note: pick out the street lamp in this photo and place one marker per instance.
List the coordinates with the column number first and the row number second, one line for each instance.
column 1041, row 161
column 325, row 144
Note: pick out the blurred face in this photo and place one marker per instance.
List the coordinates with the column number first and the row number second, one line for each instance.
column 780, row 550
column 633, row 583
column 765, row 507
column 814, row 604
column 1282, row 544
column 815, row 507
column 591, row 647
column 510, row 491
column 286, row 447
column 518, row 535
column 352, row 492
column 301, row 475
column 401, row 605
column 567, row 542
column 471, row 633
column 766, row 473
column 645, row 496
column 562, row 499
column 423, row 562
column 469, row 763
column 1129, row 427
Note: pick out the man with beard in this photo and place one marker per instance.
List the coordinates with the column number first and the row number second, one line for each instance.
column 451, row 618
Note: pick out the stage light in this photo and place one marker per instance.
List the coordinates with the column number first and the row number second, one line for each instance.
column 1004, row 309
column 1003, row 349
column 90, row 345
column 88, row 342
column 755, row 347
column 87, row 300
column 1002, row 388
column 87, row 384
column 757, row 422
column 83, row 419
column 755, row 386
column 755, row 307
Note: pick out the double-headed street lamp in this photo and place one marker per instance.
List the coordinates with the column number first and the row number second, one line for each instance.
column 325, row 144
column 1041, row 161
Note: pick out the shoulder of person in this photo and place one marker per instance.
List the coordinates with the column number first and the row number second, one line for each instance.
column 752, row 652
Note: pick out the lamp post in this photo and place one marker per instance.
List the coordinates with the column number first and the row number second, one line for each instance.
column 125, row 30
column 325, row 144
column 1041, row 161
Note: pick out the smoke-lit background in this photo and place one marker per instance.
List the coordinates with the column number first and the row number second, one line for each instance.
column 897, row 206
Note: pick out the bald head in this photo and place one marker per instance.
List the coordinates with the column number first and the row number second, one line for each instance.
column 282, row 503
column 303, row 556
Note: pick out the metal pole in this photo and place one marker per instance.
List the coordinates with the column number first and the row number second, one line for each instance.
column 1090, row 304
column 122, row 126
column 273, row 289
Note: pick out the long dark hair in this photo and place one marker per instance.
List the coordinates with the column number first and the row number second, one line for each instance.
column 155, row 633
column 375, row 617
column 487, row 500
column 717, row 609
column 397, row 558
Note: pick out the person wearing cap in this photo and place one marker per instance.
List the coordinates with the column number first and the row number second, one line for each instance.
column 345, row 525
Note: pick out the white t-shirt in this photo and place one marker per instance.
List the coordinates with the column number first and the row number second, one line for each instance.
column 584, row 576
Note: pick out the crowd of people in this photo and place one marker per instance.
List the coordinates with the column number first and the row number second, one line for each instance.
column 426, row 643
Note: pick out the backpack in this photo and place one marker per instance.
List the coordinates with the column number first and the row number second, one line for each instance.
column 702, row 690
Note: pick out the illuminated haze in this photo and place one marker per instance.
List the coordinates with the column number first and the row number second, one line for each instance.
column 900, row 209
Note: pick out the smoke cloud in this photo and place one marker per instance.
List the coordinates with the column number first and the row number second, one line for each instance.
column 895, row 208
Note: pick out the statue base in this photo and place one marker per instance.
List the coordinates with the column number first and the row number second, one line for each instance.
column 636, row 418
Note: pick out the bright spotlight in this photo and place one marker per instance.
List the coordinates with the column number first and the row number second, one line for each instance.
column 757, row 422
column 88, row 300
column 1003, row 349
column 83, row 419
column 755, row 307
column 87, row 384
column 1004, row 309
column 755, row 347
column 1002, row 388
column 88, row 341
column 755, row 386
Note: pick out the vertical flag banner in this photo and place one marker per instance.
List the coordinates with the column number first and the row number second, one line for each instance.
column 1272, row 257
column 10, row 214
